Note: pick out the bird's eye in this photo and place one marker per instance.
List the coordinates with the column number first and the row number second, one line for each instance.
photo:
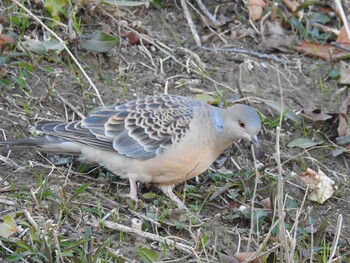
column 241, row 124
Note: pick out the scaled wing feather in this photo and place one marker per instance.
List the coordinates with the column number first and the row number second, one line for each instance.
column 139, row 129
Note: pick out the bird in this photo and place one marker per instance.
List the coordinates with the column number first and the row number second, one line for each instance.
column 160, row 139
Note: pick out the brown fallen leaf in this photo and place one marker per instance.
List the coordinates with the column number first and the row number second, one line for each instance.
column 256, row 8
column 321, row 186
column 323, row 51
column 309, row 178
column 266, row 203
column 233, row 204
column 6, row 43
column 223, row 258
column 292, row 5
column 343, row 37
column 243, row 256
column 135, row 38
column 2, row 19
column 316, row 114
column 327, row 10
column 344, row 121
column 274, row 37
column 344, row 73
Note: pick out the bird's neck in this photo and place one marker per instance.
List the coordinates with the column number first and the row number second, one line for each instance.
column 221, row 137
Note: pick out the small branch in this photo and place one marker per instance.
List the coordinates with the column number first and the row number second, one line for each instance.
column 249, row 52
column 251, row 230
column 9, row 162
column 326, row 28
column 169, row 52
column 343, row 16
column 7, row 202
column 71, row 32
column 340, row 46
column 190, row 23
column 67, row 103
column 336, row 238
column 151, row 236
column 280, row 204
column 31, row 220
column 65, row 47
column 207, row 13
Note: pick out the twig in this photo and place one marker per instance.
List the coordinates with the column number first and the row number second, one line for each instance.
column 65, row 47
column 10, row 251
column 66, row 102
column 326, row 28
column 249, row 52
column 9, row 162
column 214, row 32
column 71, row 32
column 312, row 237
column 57, row 244
column 343, row 16
column 280, row 203
column 207, row 13
column 31, row 220
column 178, row 245
column 119, row 255
column 253, row 199
column 258, row 253
column 340, row 46
column 336, row 239
column 146, row 218
column 7, row 202
column 190, row 23
column 294, row 228
column 166, row 50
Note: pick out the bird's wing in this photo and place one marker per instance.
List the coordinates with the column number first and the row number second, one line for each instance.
column 140, row 129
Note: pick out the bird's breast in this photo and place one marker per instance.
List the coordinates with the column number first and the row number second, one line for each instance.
column 192, row 156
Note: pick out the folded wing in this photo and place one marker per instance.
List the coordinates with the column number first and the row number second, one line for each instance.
column 139, row 129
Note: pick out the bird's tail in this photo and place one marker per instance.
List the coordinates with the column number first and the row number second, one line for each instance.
column 46, row 143
column 20, row 144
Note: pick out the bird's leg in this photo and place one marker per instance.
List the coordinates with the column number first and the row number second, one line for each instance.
column 133, row 190
column 168, row 190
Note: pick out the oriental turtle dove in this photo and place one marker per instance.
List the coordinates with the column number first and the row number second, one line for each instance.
column 161, row 139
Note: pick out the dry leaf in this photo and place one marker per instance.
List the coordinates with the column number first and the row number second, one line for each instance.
column 292, row 5
column 135, row 38
column 343, row 37
column 2, row 19
column 223, row 258
column 323, row 51
column 266, row 203
column 243, row 256
column 256, row 9
column 344, row 122
column 327, row 10
column 321, row 186
column 344, row 73
column 316, row 115
column 6, row 42
column 8, row 227
column 274, row 37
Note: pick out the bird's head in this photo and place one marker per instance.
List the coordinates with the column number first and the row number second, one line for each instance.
column 246, row 123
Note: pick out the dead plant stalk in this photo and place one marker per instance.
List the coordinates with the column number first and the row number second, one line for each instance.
column 280, row 200
column 64, row 46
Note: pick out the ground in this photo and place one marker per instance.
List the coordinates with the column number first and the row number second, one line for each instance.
column 47, row 187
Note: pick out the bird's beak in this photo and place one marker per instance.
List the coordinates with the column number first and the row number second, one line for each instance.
column 254, row 139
